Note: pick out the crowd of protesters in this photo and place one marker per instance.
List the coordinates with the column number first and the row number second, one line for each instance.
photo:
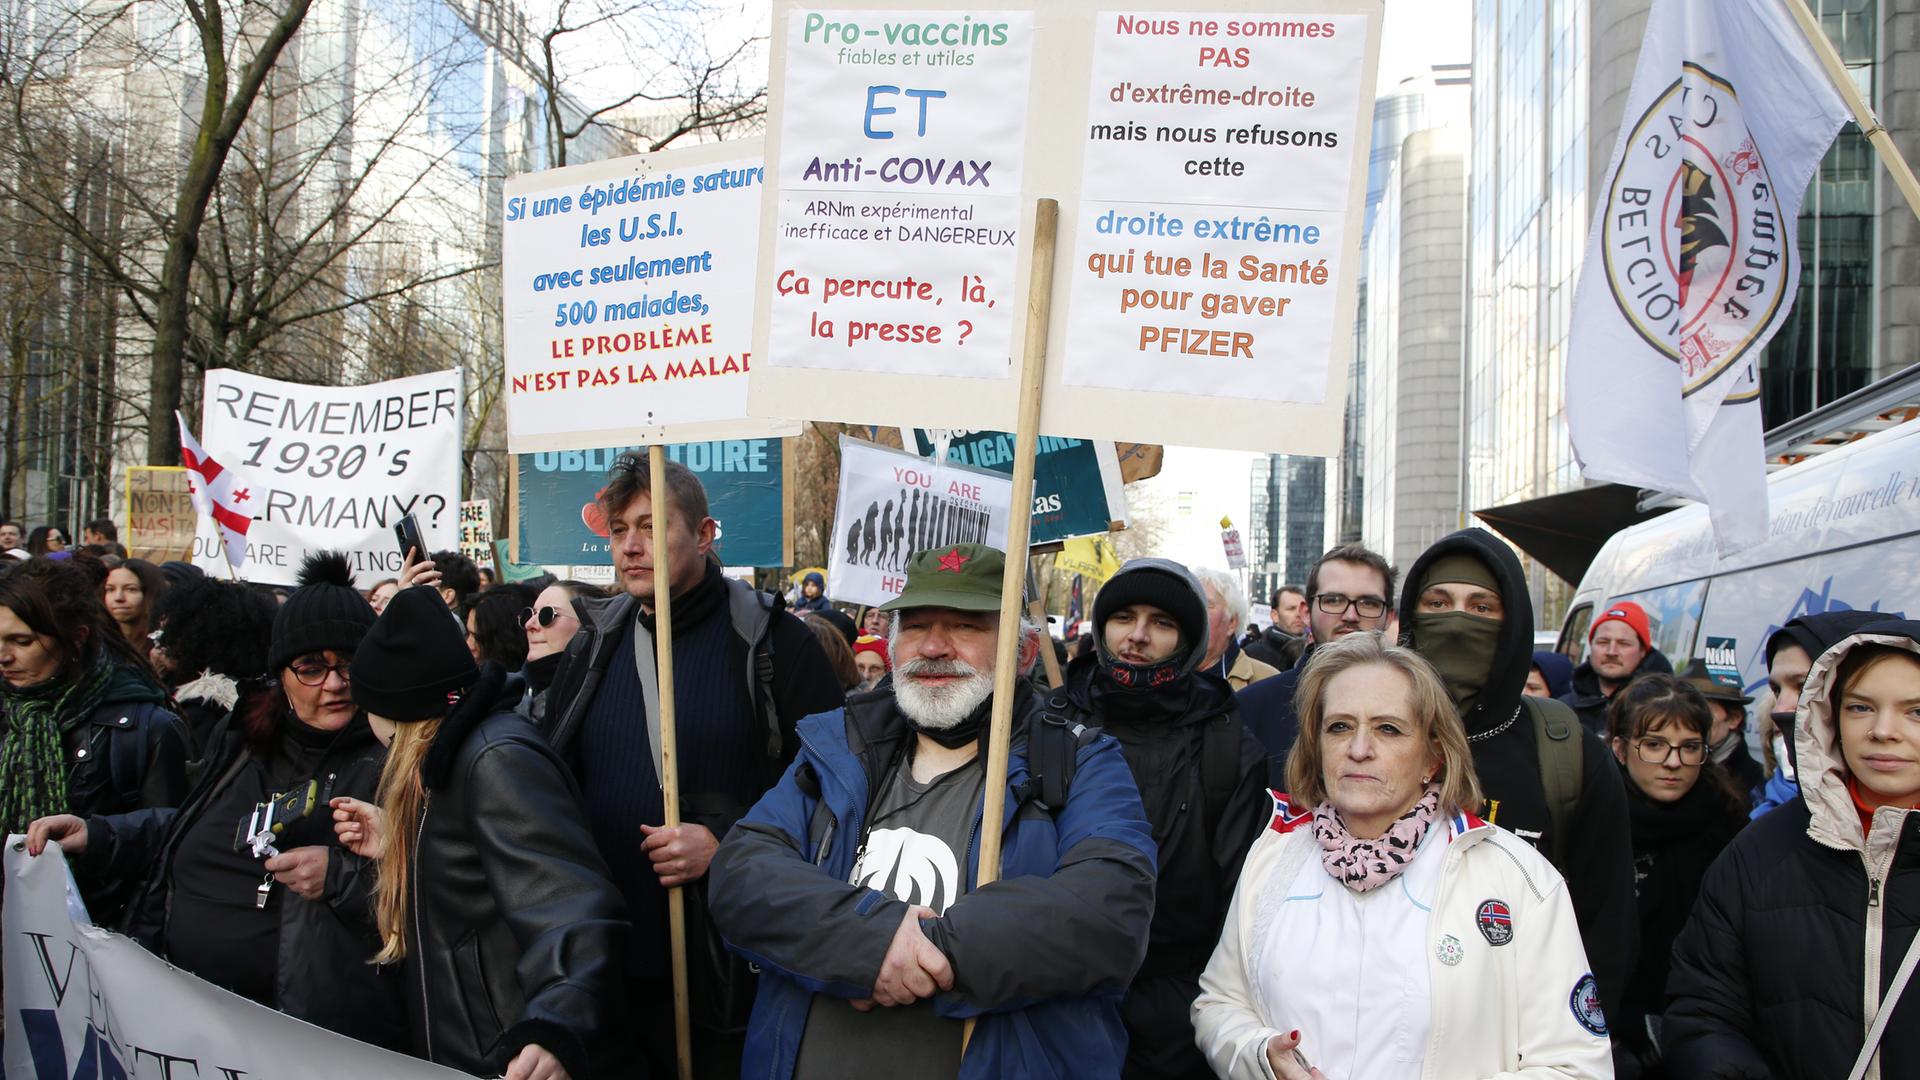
column 1384, row 837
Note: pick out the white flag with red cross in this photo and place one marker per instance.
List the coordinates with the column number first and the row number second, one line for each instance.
column 217, row 494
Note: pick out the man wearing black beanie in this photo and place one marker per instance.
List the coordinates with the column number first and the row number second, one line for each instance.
column 1202, row 778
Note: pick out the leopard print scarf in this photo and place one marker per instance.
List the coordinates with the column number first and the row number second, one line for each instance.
column 1364, row 865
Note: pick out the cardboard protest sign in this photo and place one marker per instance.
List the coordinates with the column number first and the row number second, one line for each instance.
column 1208, row 157
column 333, row 468
column 893, row 504
column 160, row 515
column 628, row 292
column 1076, row 482
column 1091, row 557
column 476, row 531
column 559, row 522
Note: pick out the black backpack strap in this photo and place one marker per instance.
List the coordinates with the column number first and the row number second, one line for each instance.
column 1054, row 739
column 753, row 613
column 1219, row 766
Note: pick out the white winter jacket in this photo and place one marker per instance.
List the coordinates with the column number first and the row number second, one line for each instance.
column 1501, row 968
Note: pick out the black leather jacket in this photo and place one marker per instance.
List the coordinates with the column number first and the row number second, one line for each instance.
column 514, row 933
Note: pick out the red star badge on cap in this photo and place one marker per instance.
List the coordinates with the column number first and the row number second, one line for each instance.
column 952, row 561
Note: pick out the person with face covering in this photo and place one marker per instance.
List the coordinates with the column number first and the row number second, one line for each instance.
column 1466, row 610
column 1791, row 966
column 1202, row 779
column 1684, row 808
column 290, row 928
column 852, row 883
column 1790, row 653
column 1380, row 929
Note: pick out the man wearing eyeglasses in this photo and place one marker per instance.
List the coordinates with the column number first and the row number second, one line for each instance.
column 1350, row 590
column 745, row 673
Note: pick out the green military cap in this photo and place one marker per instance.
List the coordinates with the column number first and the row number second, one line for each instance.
column 964, row 577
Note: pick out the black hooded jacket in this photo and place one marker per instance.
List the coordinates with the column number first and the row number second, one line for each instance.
column 1164, row 734
column 1598, row 861
column 1771, row 977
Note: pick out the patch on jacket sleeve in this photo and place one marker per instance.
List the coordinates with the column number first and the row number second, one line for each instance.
column 1495, row 920
column 1285, row 817
column 1585, row 1003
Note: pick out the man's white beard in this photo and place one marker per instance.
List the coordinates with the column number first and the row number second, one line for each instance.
column 940, row 707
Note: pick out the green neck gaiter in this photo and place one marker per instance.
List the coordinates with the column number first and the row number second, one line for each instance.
column 1461, row 648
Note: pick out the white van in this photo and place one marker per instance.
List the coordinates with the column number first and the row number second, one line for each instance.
column 1845, row 534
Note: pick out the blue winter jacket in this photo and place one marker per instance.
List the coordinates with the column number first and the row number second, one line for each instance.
column 1042, row 956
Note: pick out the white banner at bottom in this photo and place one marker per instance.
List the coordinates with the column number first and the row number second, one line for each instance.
column 83, row 1002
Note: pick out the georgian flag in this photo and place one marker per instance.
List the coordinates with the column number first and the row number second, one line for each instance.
column 215, row 496
column 1692, row 263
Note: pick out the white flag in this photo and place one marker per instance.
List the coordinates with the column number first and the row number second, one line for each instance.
column 1691, row 265
column 217, row 495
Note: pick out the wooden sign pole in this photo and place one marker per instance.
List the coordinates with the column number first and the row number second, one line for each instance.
column 661, row 510
column 1033, row 367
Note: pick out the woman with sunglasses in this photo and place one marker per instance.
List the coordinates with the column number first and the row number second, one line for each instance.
column 291, row 928
column 550, row 625
column 1683, row 811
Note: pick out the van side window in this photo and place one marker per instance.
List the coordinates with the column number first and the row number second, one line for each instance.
column 1573, row 633
column 1674, row 613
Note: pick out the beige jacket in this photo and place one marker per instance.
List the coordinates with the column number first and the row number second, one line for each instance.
column 1247, row 671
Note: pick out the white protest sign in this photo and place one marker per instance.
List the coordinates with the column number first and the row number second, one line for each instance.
column 1235, row 551
column 1220, row 155
column 333, row 468
column 892, row 504
column 85, row 1002
column 476, row 531
column 1209, row 161
column 628, row 291
column 895, row 217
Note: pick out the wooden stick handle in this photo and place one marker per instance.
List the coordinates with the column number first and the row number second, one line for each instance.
column 1026, row 436
column 661, row 510
column 1863, row 113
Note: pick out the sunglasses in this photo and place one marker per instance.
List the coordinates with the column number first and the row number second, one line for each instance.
column 545, row 615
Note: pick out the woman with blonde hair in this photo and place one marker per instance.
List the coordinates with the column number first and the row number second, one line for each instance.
column 489, row 883
column 1379, row 928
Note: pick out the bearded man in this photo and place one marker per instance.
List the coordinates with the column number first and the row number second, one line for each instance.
column 852, row 883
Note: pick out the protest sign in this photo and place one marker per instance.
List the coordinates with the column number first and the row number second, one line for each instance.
column 1090, row 557
column 557, row 520
column 1208, row 157
column 1076, row 482
column 160, row 515
column 333, row 468
column 476, row 531
column 83, row 1002
column 1230, row 542
column 893, row 504
column 628, row 293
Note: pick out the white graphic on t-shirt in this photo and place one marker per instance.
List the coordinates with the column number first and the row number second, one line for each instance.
column 910, row 866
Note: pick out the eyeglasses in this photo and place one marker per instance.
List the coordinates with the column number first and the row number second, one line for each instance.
column 546, row 615
column 316, row 674
column 1656, row 751
column 1333, row 603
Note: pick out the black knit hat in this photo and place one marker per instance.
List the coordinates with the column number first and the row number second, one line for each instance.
column 325, row 612
column 414, row 662
column 1164, row 584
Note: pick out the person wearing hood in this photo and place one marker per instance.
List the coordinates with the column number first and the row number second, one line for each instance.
column 1281, row 644
column 1202, row 779
column 86, row 728
column 1684, row 809
column 489, row 886
column 1619, row 650
column 1226, row 607
column 813, row 594
column 287, row 922
column 1728, row 739
column 1790, row 653
column 1548, row 780
column 1351, row 589
column 1790, row 966
column 211, row 645
column 1551, row 675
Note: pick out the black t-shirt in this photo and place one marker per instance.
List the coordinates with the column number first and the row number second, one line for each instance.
column 915, row 850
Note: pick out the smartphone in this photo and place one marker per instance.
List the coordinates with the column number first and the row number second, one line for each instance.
column 407, row 532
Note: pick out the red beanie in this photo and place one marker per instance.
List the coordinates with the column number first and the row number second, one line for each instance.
column 1628, row 612
column 875, row 645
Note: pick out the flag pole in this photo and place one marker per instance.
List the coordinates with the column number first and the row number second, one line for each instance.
column 1863, row 113
column 660, row 510
column 1026, row 432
